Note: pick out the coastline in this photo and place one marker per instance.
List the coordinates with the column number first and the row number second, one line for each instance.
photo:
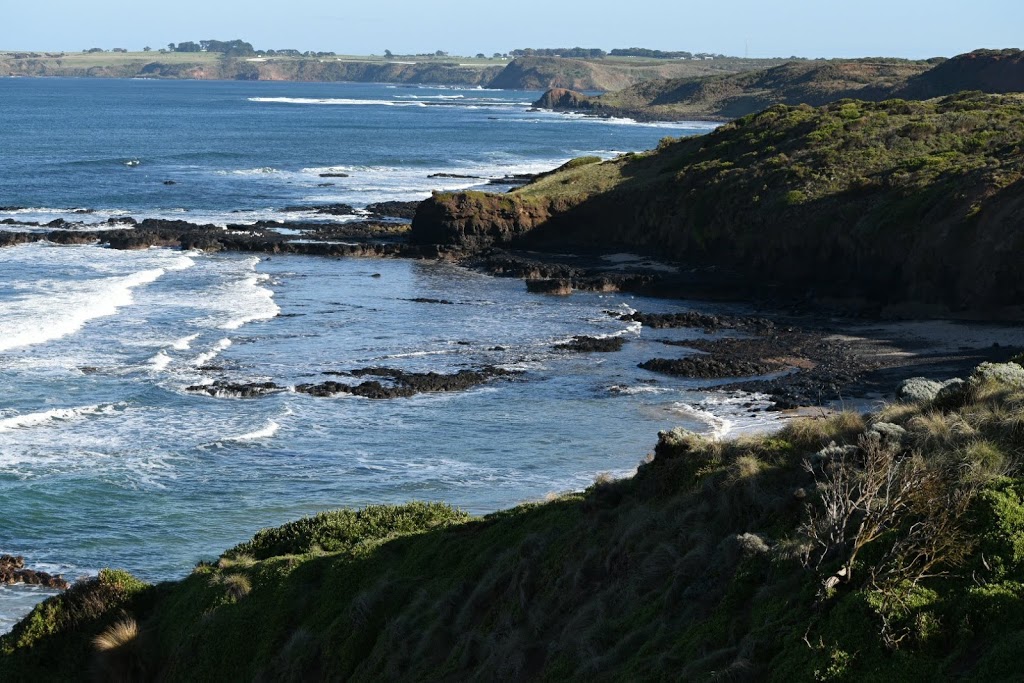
column 803, row 354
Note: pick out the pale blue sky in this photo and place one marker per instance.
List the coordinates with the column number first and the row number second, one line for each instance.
column 905, row 28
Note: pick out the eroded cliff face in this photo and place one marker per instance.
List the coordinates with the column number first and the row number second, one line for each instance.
column 934, row 219
column 244, row 69
column 474, row 220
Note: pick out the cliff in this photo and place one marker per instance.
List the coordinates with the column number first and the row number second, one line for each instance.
column 539, row 73
column 729, row 96
column 208, row 66
column 848, row 548
column 726, row 97
column 991, row 71
column 525, row 73
column 890, row 202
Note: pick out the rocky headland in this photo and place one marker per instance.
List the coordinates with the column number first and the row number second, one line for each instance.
column 881, row 208
column 523, row 73
column 725, row 97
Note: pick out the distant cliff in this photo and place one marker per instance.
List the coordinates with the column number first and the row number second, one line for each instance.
column 730, row 96
column 888, row 202
column 213, row 67
column 525, row 73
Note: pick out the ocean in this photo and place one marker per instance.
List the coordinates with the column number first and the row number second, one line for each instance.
column 107, row 461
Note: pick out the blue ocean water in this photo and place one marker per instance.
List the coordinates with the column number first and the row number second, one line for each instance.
column 106, row 459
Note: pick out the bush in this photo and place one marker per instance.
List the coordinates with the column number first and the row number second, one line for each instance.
column 344, row 530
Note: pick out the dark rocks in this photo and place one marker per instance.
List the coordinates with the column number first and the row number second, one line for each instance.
column 405, row 210
column 334, row 175
column 402, row 384
column 516, row 179
column 236, row 390
column 425, row 300
column 556, row 286
column 696, row 320
column 562, row 99
column 12, row 571
column 708, row 367
column 170, row 182
column 583, row 344
column 454, row 175
column 324, row 209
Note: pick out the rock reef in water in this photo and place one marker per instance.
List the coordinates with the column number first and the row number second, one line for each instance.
column 13, row 571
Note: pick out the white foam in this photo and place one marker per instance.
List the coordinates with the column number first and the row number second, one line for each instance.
column 204, row 358
column 264, row 433
column 718, row 426
column 256, row 301
column 633, row 391
column 29, row 420
column 334, row 101
column 63, row 308
column 185, row 343
column 159, row 362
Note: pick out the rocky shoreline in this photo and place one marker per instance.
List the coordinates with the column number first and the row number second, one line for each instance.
column 388, row 383
column 800, row 355
column 13, row 572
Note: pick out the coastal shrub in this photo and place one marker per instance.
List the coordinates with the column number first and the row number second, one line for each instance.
column 58, row 635
column 794, row 197
column 580, row 161
column 344, row 530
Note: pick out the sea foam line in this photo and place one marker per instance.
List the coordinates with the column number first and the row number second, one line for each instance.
column 264, row 433
column 52, row 315
column 204, row 358
column 334, row 101
column 57, row 414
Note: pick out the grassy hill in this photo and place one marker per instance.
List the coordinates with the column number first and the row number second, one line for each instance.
column 540, row 73
column 890, row 202
column 525, row 73
column 730, row 96
column 213, row 66
column 884, row 548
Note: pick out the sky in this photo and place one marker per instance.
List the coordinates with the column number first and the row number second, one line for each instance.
column 779, row 28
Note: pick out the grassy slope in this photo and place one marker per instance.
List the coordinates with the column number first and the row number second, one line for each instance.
column 539, row 73
column 201, row 65
column 693, row 570
column 734, row 95
column 893, row 201
column 730, row 96
column 524, row 73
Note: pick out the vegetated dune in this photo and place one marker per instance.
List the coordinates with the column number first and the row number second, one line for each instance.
column 730, row 96
column 891, row 202
column 883, row 547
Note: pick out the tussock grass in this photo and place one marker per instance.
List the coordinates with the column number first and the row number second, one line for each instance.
column 816, row 432
column 119, row 635
column 238, row 586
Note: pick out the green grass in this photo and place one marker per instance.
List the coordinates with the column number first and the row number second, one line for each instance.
column 698, row 568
